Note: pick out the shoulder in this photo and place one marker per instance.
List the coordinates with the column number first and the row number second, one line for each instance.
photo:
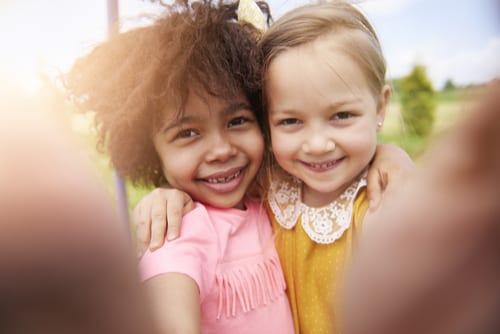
column 195, row 253
column 201, row 219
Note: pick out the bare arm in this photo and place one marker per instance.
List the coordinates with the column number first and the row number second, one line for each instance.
column 430, row 263
column 175, row 300
column 65, row 259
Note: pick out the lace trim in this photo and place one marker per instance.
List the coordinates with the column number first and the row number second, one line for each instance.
column 283, row 197
column 323, row 225
column 249, row 286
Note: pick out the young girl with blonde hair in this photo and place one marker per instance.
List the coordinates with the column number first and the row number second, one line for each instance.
column 326, row 97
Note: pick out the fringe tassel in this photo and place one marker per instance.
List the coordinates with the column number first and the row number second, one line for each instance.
column 249, row 286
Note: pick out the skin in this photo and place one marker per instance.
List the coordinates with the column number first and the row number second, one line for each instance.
column 66, row 262
column 390, row 167
column 217, row 147
column 323, row 117
column 444, row 276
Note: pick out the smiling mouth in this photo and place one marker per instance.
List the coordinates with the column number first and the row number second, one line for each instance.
column 226, row 179
column 323, row 165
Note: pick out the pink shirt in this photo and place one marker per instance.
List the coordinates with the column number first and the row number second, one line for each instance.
column 230, row 254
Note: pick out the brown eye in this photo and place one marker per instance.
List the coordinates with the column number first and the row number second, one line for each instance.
column 343, row 115
column 288, row 121
column 239, row 121
column 188, row 133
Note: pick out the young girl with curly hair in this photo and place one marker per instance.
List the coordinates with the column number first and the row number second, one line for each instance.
column 179, row 101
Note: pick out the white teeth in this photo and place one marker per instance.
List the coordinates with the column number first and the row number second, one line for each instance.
column 325, row 165
column 224, row 179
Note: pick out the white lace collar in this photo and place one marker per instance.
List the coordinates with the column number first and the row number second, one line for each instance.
column 323, row 225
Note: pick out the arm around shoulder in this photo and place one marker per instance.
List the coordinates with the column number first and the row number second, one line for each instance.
column 390, row 167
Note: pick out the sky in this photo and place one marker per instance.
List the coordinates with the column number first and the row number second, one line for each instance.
column 454, row 39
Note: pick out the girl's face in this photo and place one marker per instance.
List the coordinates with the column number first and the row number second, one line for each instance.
column 213, row 151
column 323, row 117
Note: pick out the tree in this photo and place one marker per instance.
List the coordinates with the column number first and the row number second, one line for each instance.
column 417, row 102
column 449, row 85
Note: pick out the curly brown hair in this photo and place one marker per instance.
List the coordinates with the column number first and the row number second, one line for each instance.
column 129, row 80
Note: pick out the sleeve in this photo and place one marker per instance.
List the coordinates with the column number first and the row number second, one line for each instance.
column 194, row 253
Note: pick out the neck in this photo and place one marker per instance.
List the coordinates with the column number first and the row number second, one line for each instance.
column 316, row 199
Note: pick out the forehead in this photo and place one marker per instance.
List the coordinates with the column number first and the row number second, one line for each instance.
column 323, row 67
column 201, row 105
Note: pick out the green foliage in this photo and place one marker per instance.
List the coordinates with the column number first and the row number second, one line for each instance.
column 449, row 85
column 417, row 102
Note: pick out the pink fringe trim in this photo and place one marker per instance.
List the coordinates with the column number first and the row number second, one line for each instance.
column 249, row 286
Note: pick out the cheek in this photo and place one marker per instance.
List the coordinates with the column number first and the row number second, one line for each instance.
column 364, row 144
column 176, row 170
column 283, row 147
column 179, row 168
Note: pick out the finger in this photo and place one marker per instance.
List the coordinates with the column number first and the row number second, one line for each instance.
column 141, row 220
column 158, row 219
column 188, row 203
column 175, row 211
column 374, row 188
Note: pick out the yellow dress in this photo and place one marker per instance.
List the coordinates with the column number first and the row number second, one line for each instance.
column 315, row 245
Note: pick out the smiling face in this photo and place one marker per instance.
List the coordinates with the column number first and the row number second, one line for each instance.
column 323, row 117
column 213, row 150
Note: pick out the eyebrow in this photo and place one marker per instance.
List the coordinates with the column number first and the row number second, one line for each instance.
column 331, row 106
column 236, row 106
column 228, row 110
column 178, row 122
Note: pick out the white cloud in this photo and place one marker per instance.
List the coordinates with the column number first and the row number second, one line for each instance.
column 279, row 7
column 444, row 61
column 384, row 7
column 400, row 61
column 472, row 66
column 370, row 7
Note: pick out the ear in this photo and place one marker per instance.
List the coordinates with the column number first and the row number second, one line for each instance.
column 382, row 103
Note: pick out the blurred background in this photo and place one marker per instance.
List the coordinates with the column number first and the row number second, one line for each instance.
column 441, row 56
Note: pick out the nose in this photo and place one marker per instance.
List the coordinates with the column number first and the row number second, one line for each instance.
column 318, row 142
column 220, row 147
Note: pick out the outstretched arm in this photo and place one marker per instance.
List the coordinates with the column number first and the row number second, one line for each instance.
column 438, row 240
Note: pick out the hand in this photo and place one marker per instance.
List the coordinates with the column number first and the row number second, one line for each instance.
column 161, row 207
column 390, row 167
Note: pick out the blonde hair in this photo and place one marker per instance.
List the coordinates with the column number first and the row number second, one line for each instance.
column 308, row 23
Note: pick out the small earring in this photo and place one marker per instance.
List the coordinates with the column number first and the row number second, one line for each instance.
column 379, row 125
